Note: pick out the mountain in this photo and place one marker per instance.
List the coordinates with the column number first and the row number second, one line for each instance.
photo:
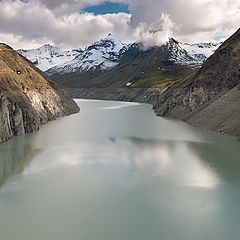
column 210, row 98
column 48, row 56
column 111, row 63
column 104, row 54
column 28, row 97
column 134, row 66
column 107, row 53
column 200, row 51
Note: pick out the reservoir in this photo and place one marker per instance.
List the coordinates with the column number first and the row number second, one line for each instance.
column 115, row 171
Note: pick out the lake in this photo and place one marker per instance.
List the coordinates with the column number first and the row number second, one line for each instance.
column 115, row 171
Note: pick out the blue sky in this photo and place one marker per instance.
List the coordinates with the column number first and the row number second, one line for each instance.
column 108, row 7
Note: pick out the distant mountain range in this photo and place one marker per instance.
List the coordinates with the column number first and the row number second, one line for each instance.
column 107, row 52
column 111, row 63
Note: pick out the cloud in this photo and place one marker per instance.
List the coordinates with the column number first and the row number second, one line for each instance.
column 61, row 22
column 33, row 21
column 156, row 33
column 194, row 20
column 18, row 42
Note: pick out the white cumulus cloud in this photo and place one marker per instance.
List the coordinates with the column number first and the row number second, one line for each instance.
column 156, row 33
column 62, row 22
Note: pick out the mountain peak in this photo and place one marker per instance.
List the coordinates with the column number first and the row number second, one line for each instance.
column 103, row 54
column 47, row 45
column 172, row 40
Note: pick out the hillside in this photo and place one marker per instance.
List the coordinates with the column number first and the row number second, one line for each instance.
column 210, row 98
column 28, row 97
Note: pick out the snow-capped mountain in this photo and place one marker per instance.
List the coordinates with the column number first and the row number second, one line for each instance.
column 107, row 53
column 190, row 54
column 48, row 56
column 200, row 51
column 103, row 54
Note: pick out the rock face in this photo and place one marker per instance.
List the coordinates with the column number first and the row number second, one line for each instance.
column 28, row 98
column 210, row 98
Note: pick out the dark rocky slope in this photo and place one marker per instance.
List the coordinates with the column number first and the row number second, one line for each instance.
column 210, row 98
column 28, row 97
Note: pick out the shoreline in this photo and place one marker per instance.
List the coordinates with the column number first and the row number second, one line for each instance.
column 149, row 96
column 138, row 95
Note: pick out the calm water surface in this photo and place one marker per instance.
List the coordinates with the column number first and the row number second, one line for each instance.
column 117, row 172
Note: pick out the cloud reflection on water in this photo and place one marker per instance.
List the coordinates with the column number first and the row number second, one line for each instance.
column 150, row 158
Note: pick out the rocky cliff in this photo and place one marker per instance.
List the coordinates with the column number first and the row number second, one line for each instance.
column 210, row 98
column 28, row 98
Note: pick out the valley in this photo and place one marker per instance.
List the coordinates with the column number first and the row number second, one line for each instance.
column 119, row 120
column 191, row 82
column 118, row 158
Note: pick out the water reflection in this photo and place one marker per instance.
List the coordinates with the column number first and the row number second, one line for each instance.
column 171, row 159
column 121, row 105
column 223, row 158
column 14, row 157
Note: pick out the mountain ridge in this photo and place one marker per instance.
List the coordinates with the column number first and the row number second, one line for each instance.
column 48, row 56
column 197, row 52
